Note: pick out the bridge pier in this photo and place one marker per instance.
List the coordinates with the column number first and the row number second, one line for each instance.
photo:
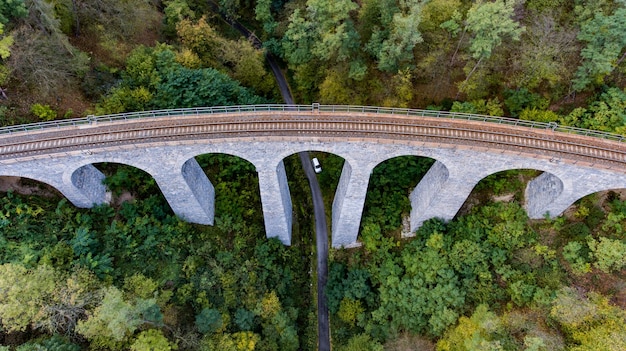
column 85, row 187
column 440, row 194
column 348, row 205
column 541, row 194
column 276, row 203
column 188, row 191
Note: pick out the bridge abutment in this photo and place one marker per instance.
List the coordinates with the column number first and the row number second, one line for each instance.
column 276, row 203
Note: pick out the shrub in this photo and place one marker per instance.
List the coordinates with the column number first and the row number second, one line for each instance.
column 610, row 254
column 44, row 112
column 571, row 253
column 518, row 100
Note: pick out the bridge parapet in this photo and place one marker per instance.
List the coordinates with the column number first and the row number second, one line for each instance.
column 313, row 108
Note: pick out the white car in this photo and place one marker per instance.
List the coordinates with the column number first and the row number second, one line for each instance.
column 316, row 165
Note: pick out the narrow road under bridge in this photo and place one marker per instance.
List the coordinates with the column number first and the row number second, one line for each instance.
column 321, row 227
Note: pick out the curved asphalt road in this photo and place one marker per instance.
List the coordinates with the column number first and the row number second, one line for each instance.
column 321, row 229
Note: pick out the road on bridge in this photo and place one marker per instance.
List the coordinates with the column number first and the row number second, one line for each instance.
column 321, row 228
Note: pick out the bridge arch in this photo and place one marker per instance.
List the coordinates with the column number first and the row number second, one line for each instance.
column 86, row 178
column 182, row 182
column 398, row 176
column 88, row 190
column 347, row 202
column 576, row 185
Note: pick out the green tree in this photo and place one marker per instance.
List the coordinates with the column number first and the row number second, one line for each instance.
column 606, row 41
column 5, row 43
column 152, row 340
column 492, row 107
column 479, row 332
column 175, row 11
column 324, row 31
column 24, row 295
column 54, row 343
column 209, row 321
column 12, row 9
column 489, row 23
column 184, row 87
column 154, row 80
column 396, row 42
column 607, row 113
column 572, row 254
column 591, row 322
column 424, row 295
column 609, row 254
column 361, row 342
column 350, row 310
column 263, row 14
column 534, row 114
column 43, row 298
column 113, row 322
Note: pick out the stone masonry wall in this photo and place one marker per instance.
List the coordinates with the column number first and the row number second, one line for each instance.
column 440, row 194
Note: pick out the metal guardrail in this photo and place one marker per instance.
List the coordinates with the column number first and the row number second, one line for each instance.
column 307, row 108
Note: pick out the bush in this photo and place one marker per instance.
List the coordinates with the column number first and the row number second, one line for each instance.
column 572, row 254
column 610, row 254
column 518, row 100
column 44, row 112
column 533, row 114
column 152, row 339
column 591, row 322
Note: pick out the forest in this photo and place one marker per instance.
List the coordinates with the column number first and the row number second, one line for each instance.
column 132, row 276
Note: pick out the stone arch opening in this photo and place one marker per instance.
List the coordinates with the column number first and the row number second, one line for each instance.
column 123, row 182
column 396, row 189
column 591, row 208
column 332, row 166
column 501, row 186
column 28, row 186
column 541, row 193
column 165, row 178
column 229, row 184
column 335, row 170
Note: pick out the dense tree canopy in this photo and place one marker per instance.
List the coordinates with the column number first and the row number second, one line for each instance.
column 132, row 276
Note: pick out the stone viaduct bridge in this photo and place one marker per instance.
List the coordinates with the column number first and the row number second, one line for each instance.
column 466, row 148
